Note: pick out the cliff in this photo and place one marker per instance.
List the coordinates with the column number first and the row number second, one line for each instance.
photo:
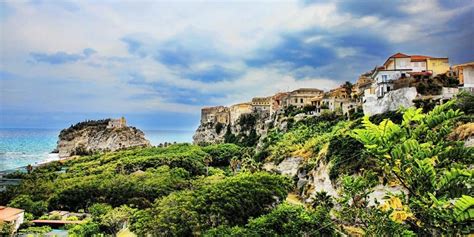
column 391, row 101
column 246, row 130
column 100, row 135
column 404, row 97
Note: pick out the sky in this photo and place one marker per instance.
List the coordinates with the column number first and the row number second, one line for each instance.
column 157, row 63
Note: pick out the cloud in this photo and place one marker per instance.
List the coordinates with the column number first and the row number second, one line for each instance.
column 61, row 57
column 171, row 58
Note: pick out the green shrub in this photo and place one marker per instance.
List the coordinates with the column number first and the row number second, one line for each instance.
column 222, row 153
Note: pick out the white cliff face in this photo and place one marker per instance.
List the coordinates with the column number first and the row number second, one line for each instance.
column 289, row 166
column 319, row 181
column 94, row 136
column 391, row 101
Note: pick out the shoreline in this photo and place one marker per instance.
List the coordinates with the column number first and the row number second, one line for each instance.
column 40, row 163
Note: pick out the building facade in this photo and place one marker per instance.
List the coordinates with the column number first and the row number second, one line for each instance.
column 278, row 102
column 219, row 114
column 237, row 110
column 465, row 74
column 301, row 97
column 261, row 103
column 402, row 65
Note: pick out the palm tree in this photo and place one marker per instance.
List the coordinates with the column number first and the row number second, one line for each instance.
column 322, row 199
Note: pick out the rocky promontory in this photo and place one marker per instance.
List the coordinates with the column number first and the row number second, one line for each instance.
column 97, row 136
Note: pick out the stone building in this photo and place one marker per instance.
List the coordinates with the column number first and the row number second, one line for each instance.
column 317, row 102
column 117, row 123
column 277, row 102
column 363, row 83
column 261, row 103
column 219, row 114
column 238, row 109
column 301, row 97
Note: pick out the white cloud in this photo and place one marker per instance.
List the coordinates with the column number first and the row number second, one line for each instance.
column 237, row 30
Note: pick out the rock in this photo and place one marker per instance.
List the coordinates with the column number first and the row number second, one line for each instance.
column 380, row 191
column 289, row 166
column 207, row 133
column 319, row 181
column 102, row 135
column 269, row 166
column 391, row 101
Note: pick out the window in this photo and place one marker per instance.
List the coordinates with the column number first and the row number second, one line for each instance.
column 296, row 100
column 301, row 100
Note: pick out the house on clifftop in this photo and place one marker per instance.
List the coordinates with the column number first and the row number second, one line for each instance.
column 402, row 65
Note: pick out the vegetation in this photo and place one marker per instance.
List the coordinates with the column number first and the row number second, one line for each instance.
column 434, row 170
column 284, row 220
column 221, row 190
column 68, row 133
column 248, row 136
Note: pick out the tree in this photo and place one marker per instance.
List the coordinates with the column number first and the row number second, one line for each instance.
column 434, row 170
column 285, row 220
column 323, row 200
column 230, row 201
column 114, row 220
column 25, row 202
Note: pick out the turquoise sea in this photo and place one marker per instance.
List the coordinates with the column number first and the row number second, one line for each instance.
column 20, row 147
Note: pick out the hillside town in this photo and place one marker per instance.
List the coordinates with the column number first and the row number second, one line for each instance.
column 400, row 81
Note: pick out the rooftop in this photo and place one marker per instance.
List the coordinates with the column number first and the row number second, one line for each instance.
column 465, row 64
column 307, row 90
column 9, row 213
column 399, row 55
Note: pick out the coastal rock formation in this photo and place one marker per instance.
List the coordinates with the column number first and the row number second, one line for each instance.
column 100, row 135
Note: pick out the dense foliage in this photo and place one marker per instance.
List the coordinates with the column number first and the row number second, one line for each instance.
column 434, row 170
column 221, row 190
column 284, row 220
column 230, row 201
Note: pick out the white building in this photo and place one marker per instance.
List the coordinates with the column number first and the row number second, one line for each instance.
column 465, row 73
column 400, row 65
column 384, row 78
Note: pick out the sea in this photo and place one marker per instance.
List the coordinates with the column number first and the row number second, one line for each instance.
column 20, row 147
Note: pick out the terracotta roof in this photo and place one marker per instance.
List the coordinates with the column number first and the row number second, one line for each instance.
column 399, row 55
column 307, row 90
column 465, row 64
column 56, row 222
column 418, row 58
column 9, row 213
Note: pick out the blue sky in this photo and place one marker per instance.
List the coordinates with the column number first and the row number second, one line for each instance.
column 158, row 63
